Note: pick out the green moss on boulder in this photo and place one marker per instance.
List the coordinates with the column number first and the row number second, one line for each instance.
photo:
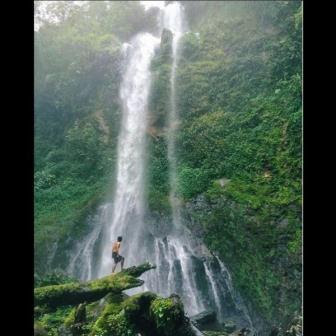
column 75, row 293
column 169, row 318
column 103, row 310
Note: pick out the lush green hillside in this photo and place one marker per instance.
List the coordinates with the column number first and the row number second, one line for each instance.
column 239, row 140
column 77, row 113
column 239, row 91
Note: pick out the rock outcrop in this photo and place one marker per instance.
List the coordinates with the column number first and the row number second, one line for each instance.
column 204, row 318
column 75, row 293
column 99, row 308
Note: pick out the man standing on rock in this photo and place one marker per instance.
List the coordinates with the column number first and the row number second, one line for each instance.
column 116, row 256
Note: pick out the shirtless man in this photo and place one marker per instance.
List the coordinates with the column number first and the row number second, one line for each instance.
column 116, row 256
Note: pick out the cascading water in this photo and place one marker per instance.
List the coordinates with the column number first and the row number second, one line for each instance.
column 184, row 265
column 172, row 20
column 128, row 206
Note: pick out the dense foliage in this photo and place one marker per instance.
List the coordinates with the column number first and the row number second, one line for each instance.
column 77, row 112
column 240, row 105
column 239, row 101
column 239, row 140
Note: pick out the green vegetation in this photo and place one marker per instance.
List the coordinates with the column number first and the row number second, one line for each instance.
column 144, row 313
column 56, row 277
column 49, row 323
column 239, row 102
column 71, row 293
column 77, row 114
column 158, row 175
column 240, row 107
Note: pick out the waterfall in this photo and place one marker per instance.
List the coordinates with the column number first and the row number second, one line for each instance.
column 128, row 205
column 82, row 263
column 184, row 265
column 172, row 20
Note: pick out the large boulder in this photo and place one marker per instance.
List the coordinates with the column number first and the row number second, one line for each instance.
column 241, row 332
column 215, row 333
column 204, row 318
column 229, row 326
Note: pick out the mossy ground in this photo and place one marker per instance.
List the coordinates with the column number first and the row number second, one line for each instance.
column 110, row 313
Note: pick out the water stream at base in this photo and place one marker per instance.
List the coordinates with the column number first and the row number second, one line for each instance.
column 199, row 278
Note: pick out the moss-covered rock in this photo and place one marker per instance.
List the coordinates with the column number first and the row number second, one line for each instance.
column 136, row 271
column 76, row 320
column 112, row 322
column 75, row 293
column 111, row 312
column 52, row 322
column 166, row 46
column 169, row 318
column 128, row 317
column 136, row 310
column 144, row 313
column 215, row 333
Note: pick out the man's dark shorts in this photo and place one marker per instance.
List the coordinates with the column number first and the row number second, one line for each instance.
column 116, row 257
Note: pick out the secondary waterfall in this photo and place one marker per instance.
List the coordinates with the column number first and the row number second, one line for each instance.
column 172, row 20
column 184, row 265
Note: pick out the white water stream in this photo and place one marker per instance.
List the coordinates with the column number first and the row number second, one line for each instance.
column 182, row 266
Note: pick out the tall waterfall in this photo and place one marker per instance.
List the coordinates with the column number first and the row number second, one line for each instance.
column 128, row 205
column 172, row 20
column 184, row 265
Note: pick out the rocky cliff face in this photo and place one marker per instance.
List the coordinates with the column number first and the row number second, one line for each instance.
column 218, row 224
